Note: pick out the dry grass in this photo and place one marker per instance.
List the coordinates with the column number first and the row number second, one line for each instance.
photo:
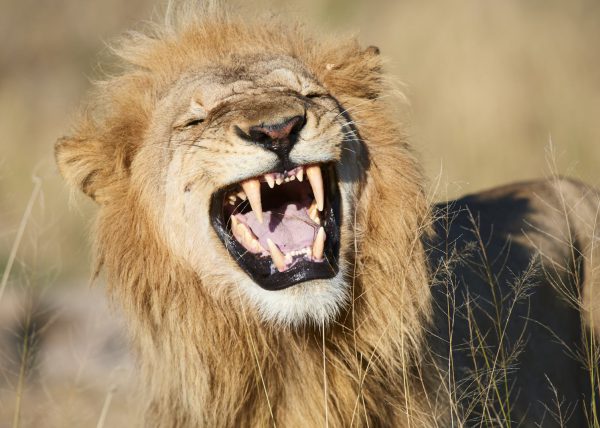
column 489, row 82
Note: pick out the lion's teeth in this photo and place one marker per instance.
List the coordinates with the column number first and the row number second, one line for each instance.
column 270, row 180
column 277, row 256
column 316, row 182
column 319, row 245
column 300, row 174
column 252, row 189
column 241, row 195
column 279, row 180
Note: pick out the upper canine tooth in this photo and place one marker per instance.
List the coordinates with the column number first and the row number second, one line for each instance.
column 277, row 256
column 316, row 182
column 270, row 180
column 319, row 245
column 300, row 174
column 252, row 189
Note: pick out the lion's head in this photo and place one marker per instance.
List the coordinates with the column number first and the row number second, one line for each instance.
column 243, row 147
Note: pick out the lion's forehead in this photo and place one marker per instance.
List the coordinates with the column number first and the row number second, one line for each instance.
column 251, row 76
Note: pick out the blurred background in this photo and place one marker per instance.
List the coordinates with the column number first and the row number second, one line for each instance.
column 499, row 91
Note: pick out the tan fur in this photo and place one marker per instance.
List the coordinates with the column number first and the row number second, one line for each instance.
column 208, row 358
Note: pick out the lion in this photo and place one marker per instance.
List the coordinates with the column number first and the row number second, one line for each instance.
column 265, row 225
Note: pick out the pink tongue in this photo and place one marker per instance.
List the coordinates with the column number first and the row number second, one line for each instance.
column 288, row 226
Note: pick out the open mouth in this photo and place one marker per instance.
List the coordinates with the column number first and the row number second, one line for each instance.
column 282, row 228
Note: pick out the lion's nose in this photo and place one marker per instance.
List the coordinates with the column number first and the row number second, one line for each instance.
column 278, row 137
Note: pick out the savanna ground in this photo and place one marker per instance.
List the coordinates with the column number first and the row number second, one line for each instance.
column 498, row 92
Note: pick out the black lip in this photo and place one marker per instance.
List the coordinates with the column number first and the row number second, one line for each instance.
column 259, row 268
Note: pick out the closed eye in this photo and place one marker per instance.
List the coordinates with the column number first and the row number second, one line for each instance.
column 192, row 123
column 189, row 123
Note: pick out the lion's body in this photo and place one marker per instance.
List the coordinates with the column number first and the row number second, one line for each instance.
column 512, row 266
column 215, row 348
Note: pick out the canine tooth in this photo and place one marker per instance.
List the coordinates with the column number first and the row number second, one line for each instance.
column 241, row 195
column 300, row 174
column 316, row 182
column 252, row 189
column 277, row 256
column 270, row 180
column 319, row 245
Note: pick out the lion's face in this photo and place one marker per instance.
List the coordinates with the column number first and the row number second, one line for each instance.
column 241, row 162
column 258, row 166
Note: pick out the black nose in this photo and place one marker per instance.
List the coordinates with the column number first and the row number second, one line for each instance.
column 278, row 137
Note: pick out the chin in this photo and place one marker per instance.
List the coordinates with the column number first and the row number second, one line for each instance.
column 310, row 303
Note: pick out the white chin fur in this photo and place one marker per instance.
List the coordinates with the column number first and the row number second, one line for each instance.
column 313, row 302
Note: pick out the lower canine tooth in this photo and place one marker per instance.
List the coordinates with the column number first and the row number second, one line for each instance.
column 277, row 256
column 319, row 245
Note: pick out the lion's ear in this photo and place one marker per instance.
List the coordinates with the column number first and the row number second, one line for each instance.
column 87, row 165
column 354, row 71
